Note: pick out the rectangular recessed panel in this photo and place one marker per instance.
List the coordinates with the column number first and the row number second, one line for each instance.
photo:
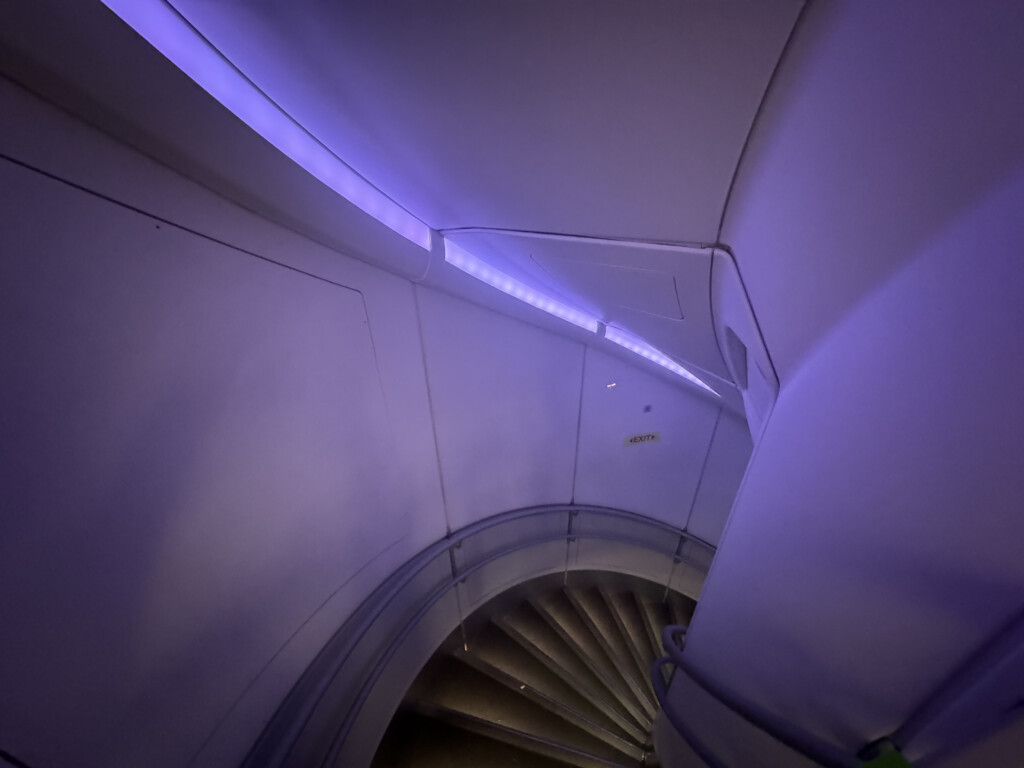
column 197, row 445
column 614, row 285
column 505, row 398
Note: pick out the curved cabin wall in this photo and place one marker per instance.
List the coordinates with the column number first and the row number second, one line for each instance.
column 207, row 455
column 875, row 542
column 219, row 436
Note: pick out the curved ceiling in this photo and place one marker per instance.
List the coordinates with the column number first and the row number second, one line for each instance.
column 599, row 119
column 608, row 121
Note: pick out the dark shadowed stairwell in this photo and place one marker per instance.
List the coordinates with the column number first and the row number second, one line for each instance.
column 552, row 673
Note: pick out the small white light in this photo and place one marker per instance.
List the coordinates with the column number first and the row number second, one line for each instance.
column 609, row 386
column 642, row 348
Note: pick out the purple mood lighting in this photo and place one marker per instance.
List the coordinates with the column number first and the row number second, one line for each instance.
column 169, row 33
column 642, row 348
column 462, row 259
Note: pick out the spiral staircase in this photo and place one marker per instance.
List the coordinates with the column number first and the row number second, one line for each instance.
column 553, row 673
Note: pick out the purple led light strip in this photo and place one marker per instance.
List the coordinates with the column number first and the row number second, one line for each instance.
column 472, row 265
column 169, row 33
column 462, row 259
column 640, row 347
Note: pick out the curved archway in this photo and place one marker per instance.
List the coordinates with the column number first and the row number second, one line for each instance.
column 338, row 710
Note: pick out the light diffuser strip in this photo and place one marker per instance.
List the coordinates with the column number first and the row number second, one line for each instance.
column 471, row 265
column 642, row 348
column 170, row 34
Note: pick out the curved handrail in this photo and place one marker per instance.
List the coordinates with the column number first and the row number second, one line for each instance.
column 378, row 670
column 691, row 739
column 670, row 637
column 797, row 739
column 281, row 734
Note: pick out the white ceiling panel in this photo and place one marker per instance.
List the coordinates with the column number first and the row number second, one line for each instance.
column 658, row 292
column 658, row 477
column 605, row 119
column 615, row 286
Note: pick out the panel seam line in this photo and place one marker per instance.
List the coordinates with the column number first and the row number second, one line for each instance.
column 433, row 415
column 703, row 468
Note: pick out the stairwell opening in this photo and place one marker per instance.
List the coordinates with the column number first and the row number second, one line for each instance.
column 552, row 672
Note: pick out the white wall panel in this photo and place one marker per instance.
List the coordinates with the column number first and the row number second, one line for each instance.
column 44, row 137
column 85, row 58
column 723, row 472
column 505, row 397
column 202, row 451
column 657, row 478
column 189, row 437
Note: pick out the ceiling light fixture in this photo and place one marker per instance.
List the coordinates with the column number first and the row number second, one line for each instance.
column 167, row 31
column 639, row 346
column 462, row 259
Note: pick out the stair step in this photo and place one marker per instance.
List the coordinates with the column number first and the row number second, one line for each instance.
column 498, row 656
column 563, row 617
column 628, row 618
column 552, row 750
column 462, row 696
column 656, row 615
column 415, row 741
column 594, row 611
column 549, row 675
column 527, row 628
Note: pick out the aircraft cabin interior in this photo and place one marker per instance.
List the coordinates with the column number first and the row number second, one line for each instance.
column 511, row 383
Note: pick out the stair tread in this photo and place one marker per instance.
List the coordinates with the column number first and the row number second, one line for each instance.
column 656, row 616
column 550, row 675
column 626, row 612
column 592, row 607
column 495, row 654
column 563, row 617
column 417, row 741
column 532, row 743
column 528, row 628
column 462, row 691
